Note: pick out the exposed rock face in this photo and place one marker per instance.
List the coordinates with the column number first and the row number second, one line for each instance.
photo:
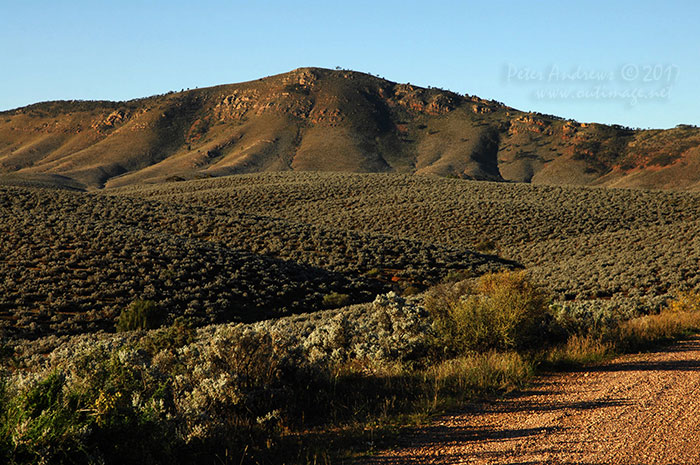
column 481, row 110
column 112, row 120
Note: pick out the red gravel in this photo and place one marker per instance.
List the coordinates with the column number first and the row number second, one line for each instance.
column 637, row 409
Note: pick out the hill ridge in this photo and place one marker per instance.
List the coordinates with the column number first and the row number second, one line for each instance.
column 316, row 119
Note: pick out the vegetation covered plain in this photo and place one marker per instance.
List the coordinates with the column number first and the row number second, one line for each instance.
column 277, row 318
column 582, row 243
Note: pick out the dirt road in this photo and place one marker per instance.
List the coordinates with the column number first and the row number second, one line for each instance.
column 637, row 409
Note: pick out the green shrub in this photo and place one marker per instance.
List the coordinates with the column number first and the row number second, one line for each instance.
column 113, row 414
column 374, row 272
column 179, row 334
column 335, row 300
column 5, row 436
column 141, row 314
column 502, row 311
column 410, row 290
column 7, row 352
column 454, row 276
column 42, row 425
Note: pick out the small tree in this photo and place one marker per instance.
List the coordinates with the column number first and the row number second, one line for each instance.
column 503, row 311
column 335, row 300
column 141, row 314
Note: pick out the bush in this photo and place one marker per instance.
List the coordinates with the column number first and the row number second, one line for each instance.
column 172, row 337
column 595, row 335
column 482, row 373
column 680, row 319
column 141, row 314
column 502, row 311
column 110, row 413
column 42, row 425
column 685, row 302
column 335, row 300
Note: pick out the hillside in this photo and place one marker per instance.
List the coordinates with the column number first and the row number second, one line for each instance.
column 313, row 119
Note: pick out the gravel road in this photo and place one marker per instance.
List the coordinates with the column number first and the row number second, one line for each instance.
column 637, row 409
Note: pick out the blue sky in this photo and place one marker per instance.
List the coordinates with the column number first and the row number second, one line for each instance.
column 635, row 63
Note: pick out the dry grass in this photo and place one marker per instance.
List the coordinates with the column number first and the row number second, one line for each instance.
column 480, row 373
column 651, row 329
column 680, row 319
column 579, row 350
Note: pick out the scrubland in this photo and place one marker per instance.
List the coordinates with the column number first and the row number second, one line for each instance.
column 294, row 318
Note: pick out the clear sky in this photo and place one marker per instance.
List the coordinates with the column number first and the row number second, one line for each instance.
column 635, row 63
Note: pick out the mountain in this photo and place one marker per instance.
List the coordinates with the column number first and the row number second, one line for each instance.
column 331, row 120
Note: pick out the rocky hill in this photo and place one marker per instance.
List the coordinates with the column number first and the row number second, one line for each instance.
column 330, row 120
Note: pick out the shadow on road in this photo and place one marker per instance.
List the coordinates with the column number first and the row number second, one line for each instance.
column 458, row 438
column 679, row 365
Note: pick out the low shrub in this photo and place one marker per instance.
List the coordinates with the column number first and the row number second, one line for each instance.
column 335, row 300
column 502, row 311
column 173, row 337
column 141, row 314
column 109, row 411
column 596, row 334
column 484, row 373
column 579, row 350
column 42, row 422
column 485, row 245
column 685, row 302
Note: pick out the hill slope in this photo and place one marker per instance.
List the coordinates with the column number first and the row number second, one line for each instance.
column 324, row 120
column 71, row 261
column 582, row 243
